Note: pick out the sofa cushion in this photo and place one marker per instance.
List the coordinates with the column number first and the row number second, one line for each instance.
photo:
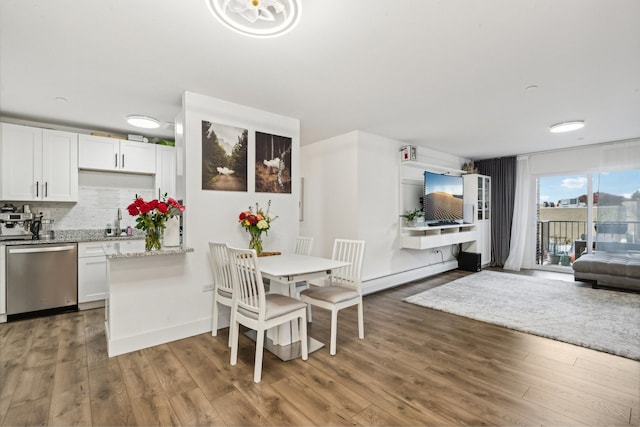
column 608, row 264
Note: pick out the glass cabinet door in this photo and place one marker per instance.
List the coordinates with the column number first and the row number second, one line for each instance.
column 487, row 198
column 480, row 207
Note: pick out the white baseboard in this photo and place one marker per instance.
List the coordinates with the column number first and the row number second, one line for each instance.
column 157, row 337
column 378, row 284
column 3, row 318
column 90, row 305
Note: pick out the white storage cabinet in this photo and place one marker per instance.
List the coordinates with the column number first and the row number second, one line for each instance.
column 3, row 284
column 93, row 286
column 38, row 164
column 92, row 272
column 115, row 155
column 165, row 171
column 477, row 200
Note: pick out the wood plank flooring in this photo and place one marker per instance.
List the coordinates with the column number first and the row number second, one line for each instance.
column 416, row 366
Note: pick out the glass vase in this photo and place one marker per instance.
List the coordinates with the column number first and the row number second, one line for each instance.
column 152, row 240
column 256, row 242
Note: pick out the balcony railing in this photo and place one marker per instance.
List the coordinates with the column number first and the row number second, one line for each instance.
column 558, row 238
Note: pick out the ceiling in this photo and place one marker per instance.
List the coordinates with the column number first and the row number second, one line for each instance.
column 450, row 75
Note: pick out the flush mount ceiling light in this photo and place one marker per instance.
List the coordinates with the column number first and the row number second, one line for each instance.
column 257, row 18
column 143, row 122
column 567, row 126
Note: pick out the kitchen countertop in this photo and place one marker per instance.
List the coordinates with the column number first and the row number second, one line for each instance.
column 136, row 249
column 76, row 236
column 133, row 248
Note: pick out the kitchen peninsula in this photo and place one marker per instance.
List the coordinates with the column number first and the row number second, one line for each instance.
column 144, row 289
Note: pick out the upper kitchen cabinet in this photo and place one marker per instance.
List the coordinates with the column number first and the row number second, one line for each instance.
column 116, row 155
column 38, row 164
column 165, row 171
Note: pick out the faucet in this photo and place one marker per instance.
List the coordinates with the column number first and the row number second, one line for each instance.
column 116, row 226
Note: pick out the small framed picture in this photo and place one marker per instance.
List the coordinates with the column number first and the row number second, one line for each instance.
column 408, row 152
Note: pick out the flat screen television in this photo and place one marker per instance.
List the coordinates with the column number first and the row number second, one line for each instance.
column 442, row 201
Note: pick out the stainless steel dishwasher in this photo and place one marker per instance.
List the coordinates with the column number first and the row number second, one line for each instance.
column 41, row 277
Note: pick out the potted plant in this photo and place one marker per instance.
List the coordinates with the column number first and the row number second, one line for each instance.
column 413, row 217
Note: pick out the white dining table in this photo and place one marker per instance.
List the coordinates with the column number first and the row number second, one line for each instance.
column 283, row 272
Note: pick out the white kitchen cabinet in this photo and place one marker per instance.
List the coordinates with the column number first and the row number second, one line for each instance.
column 477, row 203
column 92, row 272
column 38, row 164
column 116, row 155
column 165, row 171
column 3, row 284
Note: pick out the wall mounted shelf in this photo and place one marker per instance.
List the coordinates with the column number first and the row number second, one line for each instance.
column 427, row 166
column 433, row 237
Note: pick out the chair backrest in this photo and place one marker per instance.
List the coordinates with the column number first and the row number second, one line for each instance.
column 350, row 251
column 247, row 281
column 303, row 245
column 221, row 267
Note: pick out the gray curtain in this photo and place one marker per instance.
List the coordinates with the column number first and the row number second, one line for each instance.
column 503, row 187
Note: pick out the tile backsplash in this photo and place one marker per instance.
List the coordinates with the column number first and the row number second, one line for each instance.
column 100, row 194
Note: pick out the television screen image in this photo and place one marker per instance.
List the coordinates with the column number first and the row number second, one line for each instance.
column 442, row 198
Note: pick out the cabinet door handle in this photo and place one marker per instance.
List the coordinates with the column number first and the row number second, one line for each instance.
column 49, row 248
column 37, row 188
column 116, row 160
column 46, row 189
column 123, row 161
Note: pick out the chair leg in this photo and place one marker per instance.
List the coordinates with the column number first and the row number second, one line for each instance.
column 234, row 328
column 360, row 321
column 304, row 342
column 298, row 291
column 214, row 317
column 334, row 331
column 231, row 322
column 257, row 370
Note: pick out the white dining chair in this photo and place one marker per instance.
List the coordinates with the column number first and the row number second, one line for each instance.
column 303, row 247
column 257, row 310
column 222, row 284
column 344, row 288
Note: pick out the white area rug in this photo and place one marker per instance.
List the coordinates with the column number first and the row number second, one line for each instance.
column 600, row 319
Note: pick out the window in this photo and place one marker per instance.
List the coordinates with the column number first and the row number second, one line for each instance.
column 565, row 226
column 617, row 202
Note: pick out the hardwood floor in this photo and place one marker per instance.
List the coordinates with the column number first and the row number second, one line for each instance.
column 415, row 367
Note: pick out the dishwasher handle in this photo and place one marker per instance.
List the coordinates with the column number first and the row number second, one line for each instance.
column 40, row 250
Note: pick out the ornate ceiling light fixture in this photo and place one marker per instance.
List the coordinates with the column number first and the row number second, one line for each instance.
column 257, row 18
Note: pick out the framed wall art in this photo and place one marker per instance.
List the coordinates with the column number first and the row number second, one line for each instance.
column 273, row 163
column 224, row 157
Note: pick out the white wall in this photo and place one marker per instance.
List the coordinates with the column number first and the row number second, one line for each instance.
column 352, row 190
column 331, row 191
column 591, row 158
column 213, row 215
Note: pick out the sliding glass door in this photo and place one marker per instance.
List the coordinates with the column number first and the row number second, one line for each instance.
column 582, row 211
column 617, row 218
column 562, row 219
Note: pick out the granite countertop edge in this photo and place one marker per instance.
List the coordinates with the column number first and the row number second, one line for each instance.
column 76, row 236
column 97, row 236
column 164, row 251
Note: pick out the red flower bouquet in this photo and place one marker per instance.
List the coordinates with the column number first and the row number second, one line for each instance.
column 152, row 216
